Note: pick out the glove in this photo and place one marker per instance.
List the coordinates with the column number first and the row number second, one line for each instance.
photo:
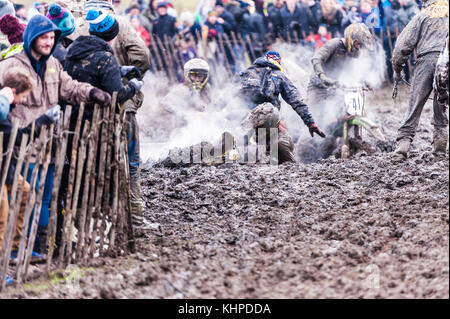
column 130, row 71
column 136, row 84
column 101, row 97
column 53, row 113
column 326, row 80
column 313, row 128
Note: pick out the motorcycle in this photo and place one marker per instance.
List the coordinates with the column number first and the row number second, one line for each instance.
column 354, row 117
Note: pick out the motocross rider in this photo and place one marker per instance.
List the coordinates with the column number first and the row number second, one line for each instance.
column 424, row 33
column 261, row 85
column 329, row 64
column 194, row 94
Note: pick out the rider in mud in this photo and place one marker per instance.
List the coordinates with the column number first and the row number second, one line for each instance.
column 194, row 94
column 425, row 33
column 329, row 62
column 261, row 86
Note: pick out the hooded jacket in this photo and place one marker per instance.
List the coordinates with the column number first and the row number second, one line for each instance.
column 273, row 83
column 52, row 83
column 90, row 59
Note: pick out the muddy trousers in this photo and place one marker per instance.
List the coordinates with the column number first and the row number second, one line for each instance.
column 421, row 87
column 4, row 212
column 266, row 116
column 134, row 164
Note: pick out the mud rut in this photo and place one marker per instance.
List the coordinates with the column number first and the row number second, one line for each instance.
column 365, row 227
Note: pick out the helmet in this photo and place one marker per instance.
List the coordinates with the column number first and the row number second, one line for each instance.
column 358, row 32
column 196, row 73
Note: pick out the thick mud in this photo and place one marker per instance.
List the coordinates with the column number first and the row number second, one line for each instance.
column 366, row 227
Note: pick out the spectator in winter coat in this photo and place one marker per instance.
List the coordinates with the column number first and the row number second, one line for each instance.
column 274, row 12
column 136, row 23
column 291, row 19
column 320, row 38
column 53, row 85
column 165, row 25
column 332, row 16
column 225, row 18
column 91, row 58
column 17, row 85
column 189, row 26
column 129, row 50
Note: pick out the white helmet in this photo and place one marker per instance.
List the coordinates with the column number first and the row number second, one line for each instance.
column 196, row 73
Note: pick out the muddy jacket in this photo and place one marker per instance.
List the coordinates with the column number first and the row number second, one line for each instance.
column 90, row 59
column 264, row 82
column 425, row 33
column 329, row 60
column 129, row 49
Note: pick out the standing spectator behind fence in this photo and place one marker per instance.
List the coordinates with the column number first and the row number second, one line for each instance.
column 129, row 50
column 317, row 40
column 276, row 22
column 291, row 19
column 53, row 85
column 17, row 85
column 189, row 26
column 135, row 11
column 332, row 16
column 136, row 23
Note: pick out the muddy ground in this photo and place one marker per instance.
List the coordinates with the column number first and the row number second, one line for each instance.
column 361, row 228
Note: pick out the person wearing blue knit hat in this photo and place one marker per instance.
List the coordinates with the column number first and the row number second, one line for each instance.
column 102, row 24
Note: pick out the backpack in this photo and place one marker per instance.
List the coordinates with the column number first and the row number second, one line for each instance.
column 257, row 85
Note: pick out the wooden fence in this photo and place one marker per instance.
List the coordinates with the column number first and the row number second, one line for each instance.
column 97, row 213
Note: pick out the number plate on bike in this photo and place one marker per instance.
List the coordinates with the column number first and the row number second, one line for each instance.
column 354, row 103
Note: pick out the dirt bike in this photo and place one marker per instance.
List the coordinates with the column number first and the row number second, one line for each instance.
column 354, row 116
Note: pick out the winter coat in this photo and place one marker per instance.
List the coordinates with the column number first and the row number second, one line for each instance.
column 229, row 25
column 165, row 26
column 53, row 84
column 291, row 22
column 271, row 83
column 90, row 59
column 276, row 20
column 129, row 49
column 234, row 7
column 425, row 33
column 334, row 25
column 61, row 50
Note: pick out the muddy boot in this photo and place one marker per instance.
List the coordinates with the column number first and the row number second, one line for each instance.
column 401, row 152
column 440, row 139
